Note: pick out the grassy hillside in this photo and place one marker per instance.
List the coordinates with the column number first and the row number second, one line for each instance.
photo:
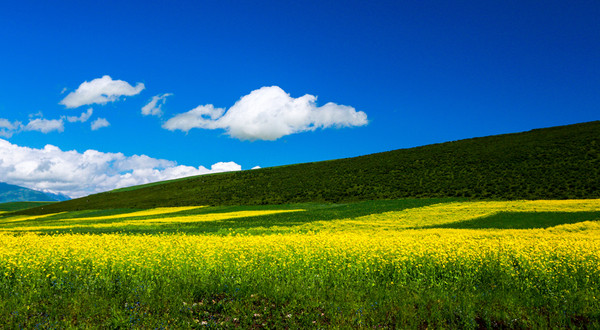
column 550, row 163
column 400, row 214
column 17, row 206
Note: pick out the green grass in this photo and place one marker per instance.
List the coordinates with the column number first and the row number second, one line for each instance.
column 253, row 225
column 258, row 225
column 524, row 220
column 19, row 206
column 551, row 163
column 417, row 305
column 498, row 290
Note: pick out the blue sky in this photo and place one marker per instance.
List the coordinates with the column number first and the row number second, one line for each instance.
column 396, row 74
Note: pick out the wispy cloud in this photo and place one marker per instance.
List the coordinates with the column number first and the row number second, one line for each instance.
column 8, row 128
column 37, row 122
column 83, row 118
column 78, row 174
column 100, row 91
column 45, row 125
column 154, row 106
column 268, row 113
column 99, row 123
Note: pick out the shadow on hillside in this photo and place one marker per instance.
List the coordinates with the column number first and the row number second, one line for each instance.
column 312, row 213
column 523, row 220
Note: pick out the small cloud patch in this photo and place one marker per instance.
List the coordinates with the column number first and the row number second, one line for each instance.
column 83, row 118
column 153, row 107
column 100, row 91
column 8, row 128
column 99, row 123
column 45, row 125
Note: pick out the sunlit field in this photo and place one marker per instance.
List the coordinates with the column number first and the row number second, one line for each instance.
column 403, row 263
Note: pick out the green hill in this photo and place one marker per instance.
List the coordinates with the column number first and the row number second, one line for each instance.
column 18, row 206
column 549, row 163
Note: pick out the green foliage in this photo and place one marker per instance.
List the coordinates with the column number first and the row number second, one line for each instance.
column 523, row 220
column 127, row 303
column 18, row 206
column 551, row 163
column 248, row 225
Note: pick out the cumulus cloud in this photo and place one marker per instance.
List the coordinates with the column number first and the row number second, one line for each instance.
column 78, row 174
column 154, row 106
column 45, row 125
column 100, row 91
column 99, row 123
column 83, row 118
column 268, row 113
column 225, row 167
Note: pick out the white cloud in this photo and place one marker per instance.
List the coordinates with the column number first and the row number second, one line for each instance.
column 6, row 133
column 45, row 125
column 36, row 115
column 83, row 118
column 196, row 118
column 268, row 113
column 99, row 123
column 100, row 91
column 5, row 123
column 78, row 174
column 7, row 129
column 154, row 106
column 225, row 167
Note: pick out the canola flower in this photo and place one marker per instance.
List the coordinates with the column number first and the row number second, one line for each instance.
column 388, row 251
column 144, row 213
column 543, row 257
column 213, row 216
column 437, row 214
column 89, row 222
column 152, row 212
column 447, row 213
column 28, row 217
column 378, row 241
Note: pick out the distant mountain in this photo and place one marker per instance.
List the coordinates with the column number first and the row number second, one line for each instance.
column 12, row 193
column 549, row 163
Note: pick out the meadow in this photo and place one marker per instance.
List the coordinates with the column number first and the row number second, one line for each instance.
column 550, row 163
column 408, row 263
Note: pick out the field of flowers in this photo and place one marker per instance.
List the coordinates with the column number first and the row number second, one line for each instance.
column 412, row 263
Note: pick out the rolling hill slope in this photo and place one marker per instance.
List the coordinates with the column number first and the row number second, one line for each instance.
column 550, row 163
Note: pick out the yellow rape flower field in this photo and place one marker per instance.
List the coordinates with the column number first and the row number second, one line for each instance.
column 420, row 263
